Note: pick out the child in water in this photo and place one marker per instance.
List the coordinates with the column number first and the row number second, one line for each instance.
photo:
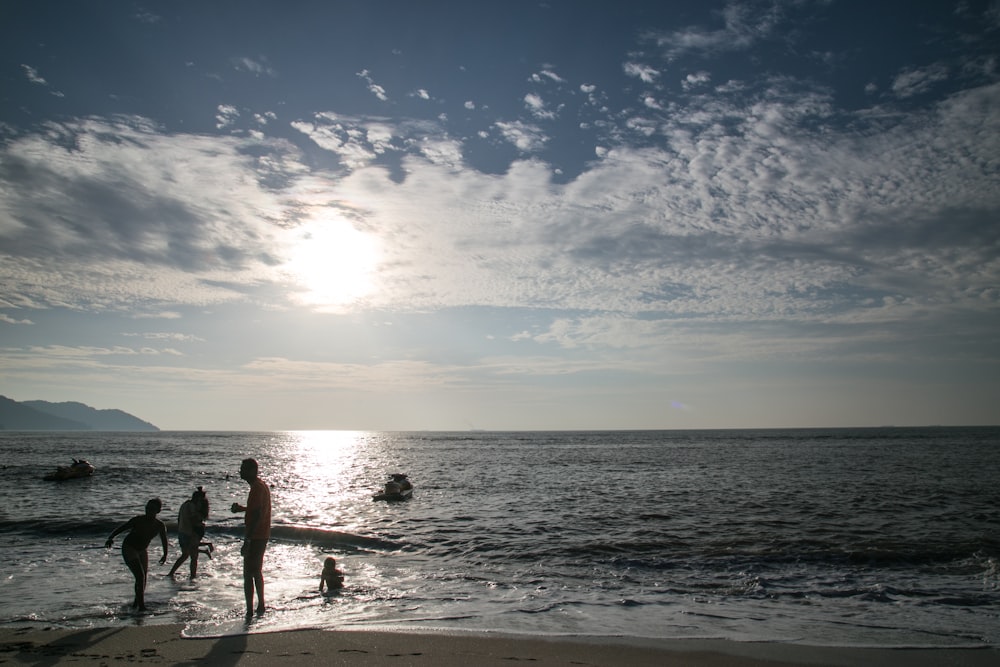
column 332, row 578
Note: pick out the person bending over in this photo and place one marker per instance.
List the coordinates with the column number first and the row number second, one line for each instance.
column 141, row 531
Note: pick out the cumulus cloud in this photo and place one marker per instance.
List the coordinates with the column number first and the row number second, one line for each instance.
column 442, row 151
column 343, row 137
column 358, row 141
column 536, row 106
column 226, row 116
column 696, row 79
column 526, row 137
column 264, row 118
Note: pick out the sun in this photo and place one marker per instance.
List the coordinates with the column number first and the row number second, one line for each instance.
column 332, row 262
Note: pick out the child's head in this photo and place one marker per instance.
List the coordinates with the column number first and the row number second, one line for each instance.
column 330, row 563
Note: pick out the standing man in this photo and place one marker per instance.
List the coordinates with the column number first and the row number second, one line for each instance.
column 258, row 531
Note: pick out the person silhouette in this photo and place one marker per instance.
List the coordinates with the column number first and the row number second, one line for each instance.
column 331, row 578
column 257, row 522
column 141, row 531
column 190, row 529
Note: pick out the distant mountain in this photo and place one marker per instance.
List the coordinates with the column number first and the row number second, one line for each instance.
column 69, row 416
column 19, row 417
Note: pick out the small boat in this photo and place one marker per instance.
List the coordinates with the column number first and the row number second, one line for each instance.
column 397, row 488
column 80, row 468
column 393, row 495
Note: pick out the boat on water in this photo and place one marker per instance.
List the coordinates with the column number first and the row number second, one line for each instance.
column 79, row 468
column 397, row 488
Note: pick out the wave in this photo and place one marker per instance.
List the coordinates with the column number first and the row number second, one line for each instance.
column 330, row 538
column 322, row 537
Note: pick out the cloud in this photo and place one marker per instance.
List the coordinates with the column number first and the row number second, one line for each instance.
column 547, row 74
column 528, row 138
column 33, row 75
column 711, row 212
column 375, row 89
column 695, row 80
column 257, row 67
column 725, row 225
column 132, row 215
column 263, row 119
column 915, row 81
column 536, row 106
column 359, row 141
column 226, row 116
column 145, row 16
column 442, row 151
column 643, row 72
column 35, row 78
column 744, row 25
column 10, row 320
column 347, row 141
column 167, row 335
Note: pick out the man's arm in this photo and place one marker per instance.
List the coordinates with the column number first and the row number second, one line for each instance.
column 125, row 526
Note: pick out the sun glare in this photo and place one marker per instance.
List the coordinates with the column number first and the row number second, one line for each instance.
column 332, row 262
column 325, row 461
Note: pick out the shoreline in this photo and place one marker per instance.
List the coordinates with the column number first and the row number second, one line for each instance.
column 163, row 644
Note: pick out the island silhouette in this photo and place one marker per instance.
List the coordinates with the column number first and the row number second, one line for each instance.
column 66, row 416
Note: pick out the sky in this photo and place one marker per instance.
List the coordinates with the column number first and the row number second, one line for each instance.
column 381, row 215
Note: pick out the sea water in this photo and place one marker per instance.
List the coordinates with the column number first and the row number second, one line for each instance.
column 858, row 537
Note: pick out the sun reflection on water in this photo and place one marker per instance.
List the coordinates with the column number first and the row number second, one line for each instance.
column 322, row 469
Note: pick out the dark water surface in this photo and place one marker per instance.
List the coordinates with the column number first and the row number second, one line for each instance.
column 887, row 537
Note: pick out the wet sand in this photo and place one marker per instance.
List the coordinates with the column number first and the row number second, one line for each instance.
column 164, row 645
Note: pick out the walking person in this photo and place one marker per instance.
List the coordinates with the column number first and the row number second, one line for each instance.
column 142, row 529
column 257, row 520
column 190, row 530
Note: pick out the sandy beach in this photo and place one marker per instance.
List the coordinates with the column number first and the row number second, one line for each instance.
column 164, row 645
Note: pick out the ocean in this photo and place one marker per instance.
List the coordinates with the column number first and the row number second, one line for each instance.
column 884, row 537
